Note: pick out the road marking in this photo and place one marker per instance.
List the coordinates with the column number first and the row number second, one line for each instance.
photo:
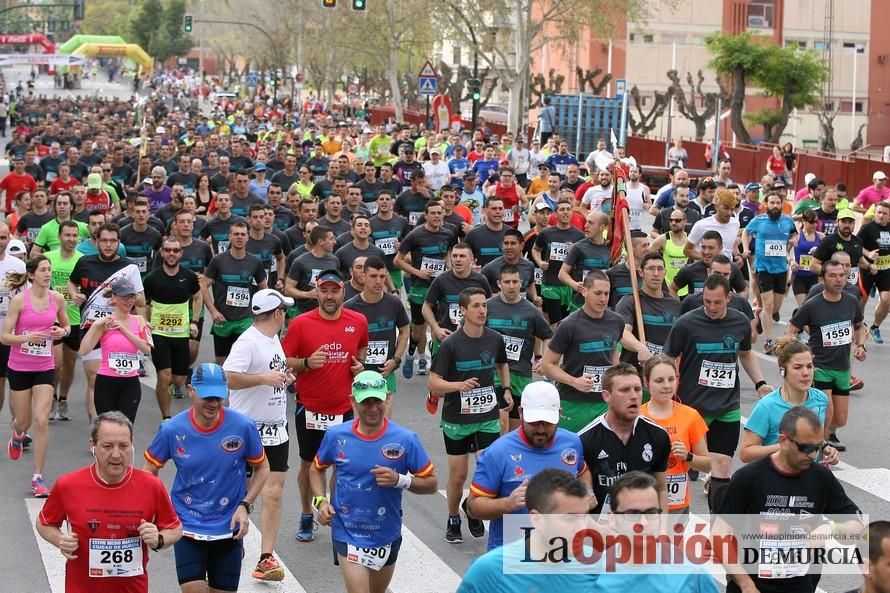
column 53, row 561
column 466, row 495
column 420, row 570
column 874, row 481
column 248, row 584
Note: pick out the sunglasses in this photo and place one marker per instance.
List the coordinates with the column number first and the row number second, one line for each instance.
column 807, row 448
column 172, row 250
column 373, row 384
column 635, row 515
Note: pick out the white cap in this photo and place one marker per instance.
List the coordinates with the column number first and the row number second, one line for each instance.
column 879, row 175
column 269, row 299
column 15, row 247
column 160, row 130
column 808, row 177
column 540, row 403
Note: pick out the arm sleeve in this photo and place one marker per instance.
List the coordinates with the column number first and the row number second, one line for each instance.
column 325, row 455
column 758, row 419
column 442, row 361
column 561, row 339
column 673, row 345
column 53, row 512
column 238, row 360
column 291, row 341
column 256, row 453
column 419, row 463
column 158, row 452
column 165, row 516
column 487, row 477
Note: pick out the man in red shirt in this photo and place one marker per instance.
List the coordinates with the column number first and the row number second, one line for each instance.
column 14, row 182
column 97, row 199
column 115, row 513
column 64, row 182
column 326, row 346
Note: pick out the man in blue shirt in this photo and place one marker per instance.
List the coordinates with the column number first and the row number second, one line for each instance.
column 214, row 450
column 458, row 165
column 560, row 161
column 504, row 469
column 774, row 237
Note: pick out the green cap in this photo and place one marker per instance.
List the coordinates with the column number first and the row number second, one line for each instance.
column 368, row 384
column 846, row 214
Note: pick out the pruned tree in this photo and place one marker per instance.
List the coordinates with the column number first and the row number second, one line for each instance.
column 587, row 78
column 688, row 107
column 645, row 122
column 539, row 87
column 453, row 82
column 826, row 126
column 858, row 142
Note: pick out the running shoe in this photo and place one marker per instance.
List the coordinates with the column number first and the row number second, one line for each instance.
column 769, row 346
column 142, row 371
column 432, row 403
column 15, row 445
column 268, row 569
column 776, row 316
column 408, row 366
column 422, row 366
column 62, row 410
column 835, row 442
column 452, row 531
column 38, row 488
column 54, row 412
column 856, row 383
column 759, row 324
column 876, row 334
column 305, row 531
column 177, row 392
column 706, row 487
column 26, row 442
column 476, row 526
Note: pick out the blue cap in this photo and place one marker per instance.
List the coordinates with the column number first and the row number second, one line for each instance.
column 752, row 187
column 259, row 167
column 209, row 380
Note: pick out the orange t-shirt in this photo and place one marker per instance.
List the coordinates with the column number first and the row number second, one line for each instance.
column 464, row 213
column 685, row 425
column 537, row 186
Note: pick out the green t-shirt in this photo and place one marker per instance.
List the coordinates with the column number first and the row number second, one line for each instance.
column 804, row 205
column 62, row 268
column 48, row 237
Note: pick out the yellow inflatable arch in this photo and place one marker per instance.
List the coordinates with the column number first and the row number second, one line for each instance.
column 127, row 50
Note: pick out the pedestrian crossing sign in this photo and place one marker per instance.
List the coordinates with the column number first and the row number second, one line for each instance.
column 427, row 85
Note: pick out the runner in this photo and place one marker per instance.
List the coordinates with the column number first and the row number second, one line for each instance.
column 590, row 253
column 876, row 239
column 62, row 262
column 387, row 231
column 48, row 236
column 809, row 238
column 326, row 346
column 141, row 241
column 388, row 326
column 302, row 276
column 120, row 337
column 551, row 249
column 7, row 264
column 485, row 240
column 692, row 276
column 235, row 276
column 369, row 481
column 36, row 317
column 463, row 372
column 217, row 228
column 257, row 374
column 223, row 445
column 512, row 247
column 92, row 501
column 173, row 300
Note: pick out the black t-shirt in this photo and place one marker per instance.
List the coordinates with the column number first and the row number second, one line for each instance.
column 267, row 251
column 189, row 181
column 834, row 242
column 217, row 230
column 411, row 206
column 486, row 243
column 492, row 272
column 832, row 329
column 429, row 250
column 29, row 225
column 347, row 254
column 659, row 316
column 520, row 323
column 694, row 275
column 585, row 256
column 662, row 222
column 554, row 245
column 385, row 318
column 304, row 270
column 608, row 458
column 285, row 180
column 444, row 294
column 141, row 246
column 386, row 233
column 171, row 290
column 736, row 301
column 874, row 236
column 235, row 281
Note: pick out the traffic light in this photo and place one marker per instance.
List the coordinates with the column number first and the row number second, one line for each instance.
column 188, row 23
column 329, row 3
column 474, row 86
column 78, row 10
column 359, row 4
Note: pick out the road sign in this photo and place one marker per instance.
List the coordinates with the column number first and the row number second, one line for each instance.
column 427, row 71
column 352, row 89
column 49, row 59
column 620, row 87
column 252, row 80
column 427, row 86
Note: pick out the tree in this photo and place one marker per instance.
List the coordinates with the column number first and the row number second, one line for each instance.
column 688, row 107
column 540, row 87
column 647, row 121
column 169, row 39
column 144, row 22
column 106, row 17
column 740, row 58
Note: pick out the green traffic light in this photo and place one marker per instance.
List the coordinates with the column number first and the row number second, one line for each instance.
column 476, row 96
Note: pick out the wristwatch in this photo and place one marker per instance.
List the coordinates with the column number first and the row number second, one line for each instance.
column 160, row 543
column 248, row 506
column 316, row 501
column 397, row 360
column 689, row 456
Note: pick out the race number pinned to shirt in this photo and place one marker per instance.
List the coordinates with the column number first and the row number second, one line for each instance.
column 42, row 348
column 141, row 263
column 318, row 421
column 837, row 334
column 676, row 488
column 123, row 363
column 96, row 312
column 477, row 401
column 775, row 248
column 805, row 261
column 655, row 348
column 454, row 313
column 539, row 276
column 378, row 352
column 509, row 215
column 596, row 374
column 853, row 277
column 387, row 245
column 237, row 296
column 115, row 557
column 413, row 217
column 434, row 265
column 883, row 262
column 273, row 434
column 4, row 302
column 559, row 251
column 372, row 208
column 513, row 346
column 720, row 375
column 777, row 558
column 223, row 245
column 373, row 558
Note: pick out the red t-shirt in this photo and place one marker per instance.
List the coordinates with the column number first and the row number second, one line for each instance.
column 59, row 186
column 100, row 202
column 106, row 518
column 326, row 390
column 577, row 221
column 13, row 184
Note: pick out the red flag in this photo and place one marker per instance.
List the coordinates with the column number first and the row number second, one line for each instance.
column 619, row 210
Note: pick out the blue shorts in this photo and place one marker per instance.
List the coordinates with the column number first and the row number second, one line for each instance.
column 216, row 562
column 341, row 549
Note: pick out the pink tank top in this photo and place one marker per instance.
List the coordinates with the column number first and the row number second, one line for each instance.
column 33, row 357
column 119, row 354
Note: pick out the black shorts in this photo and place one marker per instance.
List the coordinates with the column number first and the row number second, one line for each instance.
column 502, row 402
column 25, row 380
column 554, row 310
column 777, row 283
column 803, row 284
column 867, row 281
column 723, row 437
column 4, row 359
column 171, row 353
column 278, row 455
column 218, row 562
column 72, row 340
column 341, row 549
column 470, row 444
column 309, row 439
column 222, row 345
column 200, row 324
column 417, row 314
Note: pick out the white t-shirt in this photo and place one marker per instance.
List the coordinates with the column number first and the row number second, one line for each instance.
column 595, row 196
column 254, row 353
column 519, row 159
column 729, row 232
column 8, row 264
column 437, row 175
column 635, row 205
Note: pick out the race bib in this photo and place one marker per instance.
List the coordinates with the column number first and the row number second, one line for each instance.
column 170, row 323
column 454, row 313
column 141, row 263
column 378, row 352
column 678, row 262
column 387, row 245
column 222, row 246
column 318, row 421
column 853, row 277
column 434, row 265
column 595, row 373
column 4, row 301
column 31, row 234
column 775, row 248
column 539, row 276
column 513, row 346
column 655, row 348
column 805, row 261
column 272, row 434
column 123, row 363
column 97, row 312
column 883, row 262
column 774, row 559
column 115, row 557
column 372, row 208
column 373, row 558
column 717, row 374
column 40, row 348
column 635, row 216
column 559, row 251
column 413, row 217
column 509, row 215
column 477, row 401
column 237, row 296
column 676, row 488
column 313, row 277
column 837, row 334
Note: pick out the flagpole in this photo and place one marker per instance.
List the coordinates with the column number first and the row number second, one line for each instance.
column 621, row 212
column 634, row 285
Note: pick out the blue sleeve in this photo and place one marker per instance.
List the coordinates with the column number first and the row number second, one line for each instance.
column 484, row 575
column 158, row 452
column 487, row 478
column 325, row 454
column 753, row 226
column 254, row 444
column 758, row 420
column 419, row 463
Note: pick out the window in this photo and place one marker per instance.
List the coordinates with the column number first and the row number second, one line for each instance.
column 760, row 14
column 796, row 44
column 632, row 38
column 846, row 106
column 819, row 45
column 648, row 38
column 849, row 46
column 671, row 38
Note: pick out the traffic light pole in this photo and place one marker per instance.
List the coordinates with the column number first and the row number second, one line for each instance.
column 261, row 30
column 456, row 10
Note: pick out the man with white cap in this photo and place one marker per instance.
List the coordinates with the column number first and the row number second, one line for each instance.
column 873, row 194
column 257, row 374
column 375, row 460
column 436, row 170
column 504, row 469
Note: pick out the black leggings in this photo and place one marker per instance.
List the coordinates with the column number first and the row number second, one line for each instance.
column 118, row 393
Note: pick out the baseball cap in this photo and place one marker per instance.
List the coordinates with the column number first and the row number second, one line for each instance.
column 259, row 167
column 368, row 384
column 542, row 205
column 879, row 175
column 15, row 247
column 846, row 213
column 160, row 130
column 269, row 299
column 808, row 177
column 779, row 184
column 147, row 181
column 751, row 187
column 435, row 150
column 540, row 402
column 94, row 181
column 123, row 287
column 332, row 276
column 407, row 148
column 209, row 380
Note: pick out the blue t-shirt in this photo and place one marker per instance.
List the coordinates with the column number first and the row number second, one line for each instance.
column 485, row 169
column 458, row 167
column 86, row 247
column 771, row 242
column 366, row 514
column 649, row 578
column 559, row 163
column 211, row 468
column 511, row 459
column 666, row 198
column 768, row 411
